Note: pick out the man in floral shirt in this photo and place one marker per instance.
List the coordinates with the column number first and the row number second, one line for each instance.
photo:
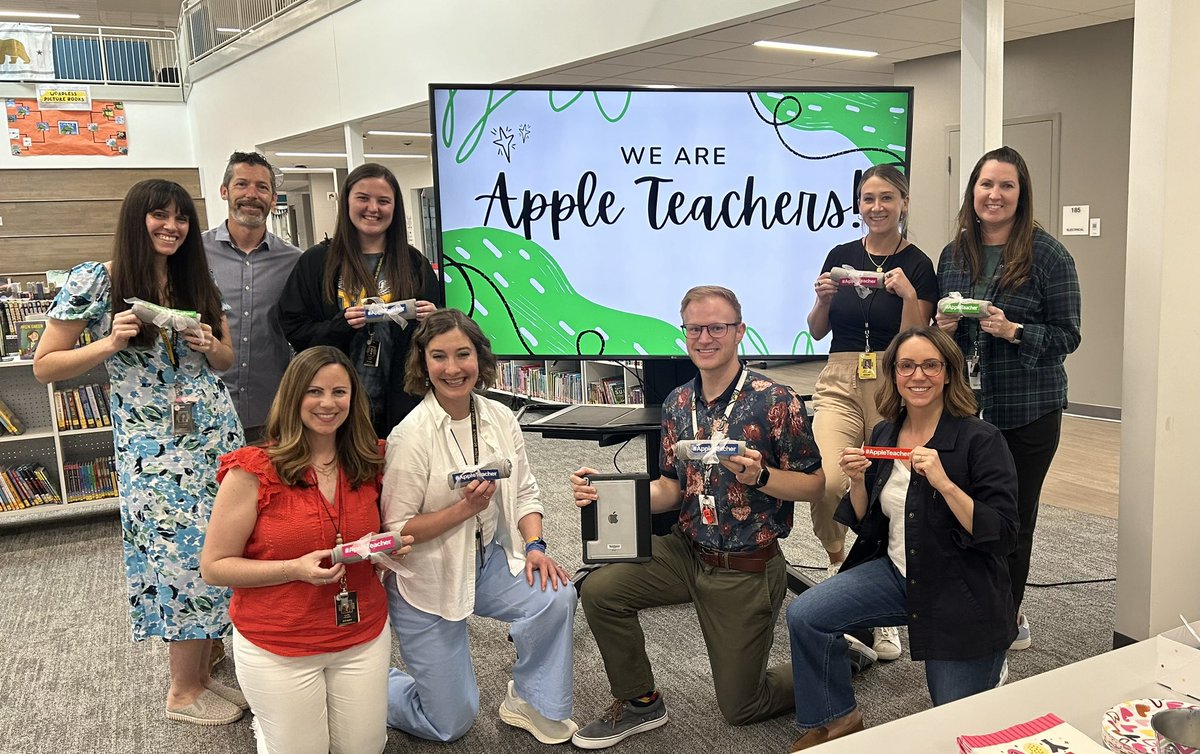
column 723, row 555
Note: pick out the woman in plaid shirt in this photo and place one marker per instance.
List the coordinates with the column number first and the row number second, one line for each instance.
column 1015, row 355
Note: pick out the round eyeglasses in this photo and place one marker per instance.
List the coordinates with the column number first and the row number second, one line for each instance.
column 716, row 329
column 930, row 368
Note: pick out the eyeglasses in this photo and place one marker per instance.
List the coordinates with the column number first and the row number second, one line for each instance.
column 716, row 329
column 930, row 368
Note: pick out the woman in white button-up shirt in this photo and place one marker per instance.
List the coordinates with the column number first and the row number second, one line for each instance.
column 478, row 549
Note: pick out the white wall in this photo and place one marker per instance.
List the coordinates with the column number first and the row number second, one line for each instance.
column 380, row 55
column 159, row 137
column 1085, row 76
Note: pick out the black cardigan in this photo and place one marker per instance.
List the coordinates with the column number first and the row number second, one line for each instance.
column 310, row 319
column 959, row 599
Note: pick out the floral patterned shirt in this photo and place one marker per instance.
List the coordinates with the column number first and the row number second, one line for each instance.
column 771, row 418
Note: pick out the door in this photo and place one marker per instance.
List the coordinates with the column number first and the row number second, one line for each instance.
column 1037, row 141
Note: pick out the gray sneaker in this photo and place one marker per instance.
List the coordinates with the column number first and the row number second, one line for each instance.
column 622, row 720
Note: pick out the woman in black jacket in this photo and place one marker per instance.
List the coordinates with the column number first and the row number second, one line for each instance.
column 933, row 534
column 368, row 257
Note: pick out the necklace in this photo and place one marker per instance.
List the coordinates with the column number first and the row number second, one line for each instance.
column 879, row 265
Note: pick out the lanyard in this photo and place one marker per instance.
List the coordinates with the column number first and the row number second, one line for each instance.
column 475, row 456
column 737, row 393
column 988, row 295
column 344, row 296
column 337, row 503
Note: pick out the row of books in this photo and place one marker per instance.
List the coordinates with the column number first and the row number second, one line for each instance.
column 610, row 390
column 524, row 379
column 566, row 387
column 91, row 480
column 9, row 423
column 83, row 407
column 25, row 486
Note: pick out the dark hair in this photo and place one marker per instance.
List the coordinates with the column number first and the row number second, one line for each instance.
column 248, row 158
column 285, row 438
column 898, row 180
column 400, row 261
column 416, row 374
column 957, row 398
column 967, row 246
column 189, row 282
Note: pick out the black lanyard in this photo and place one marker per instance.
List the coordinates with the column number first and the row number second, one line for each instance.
column 475, row 456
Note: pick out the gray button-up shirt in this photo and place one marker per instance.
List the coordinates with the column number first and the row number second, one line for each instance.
column 251, row 284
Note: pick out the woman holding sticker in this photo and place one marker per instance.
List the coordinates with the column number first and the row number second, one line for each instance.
column 311, row 639
column 1014, row 355
column 369, row 257
column 934, row 532
column 172, row 418
column 863, row 319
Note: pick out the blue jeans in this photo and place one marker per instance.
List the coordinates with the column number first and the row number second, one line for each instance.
column 437, row 699
column 866, row 596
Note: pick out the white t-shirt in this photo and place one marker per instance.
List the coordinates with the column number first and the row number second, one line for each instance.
column 891, row 500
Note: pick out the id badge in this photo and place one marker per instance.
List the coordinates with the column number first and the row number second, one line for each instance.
column 866, row 366
column 974, row 373
column 371, row 352
column 345, row 606
column 708, row 510
column 183, row 417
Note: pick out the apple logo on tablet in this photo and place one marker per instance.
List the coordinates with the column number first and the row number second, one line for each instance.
column 612, row 517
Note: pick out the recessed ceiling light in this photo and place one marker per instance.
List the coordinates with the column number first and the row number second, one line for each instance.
column 398, row 133
column 815, row 49
column 37, row 14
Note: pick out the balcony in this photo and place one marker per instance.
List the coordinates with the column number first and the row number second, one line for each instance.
column 213, row 24
column 115, row 55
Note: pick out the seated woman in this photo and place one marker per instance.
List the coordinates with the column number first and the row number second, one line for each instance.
column 310, row 637
column 933, row 534
column 478, row 549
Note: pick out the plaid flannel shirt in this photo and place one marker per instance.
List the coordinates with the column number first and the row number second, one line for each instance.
column 1023, row 382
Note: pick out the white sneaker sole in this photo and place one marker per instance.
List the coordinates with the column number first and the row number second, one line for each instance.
column 604, row 743
column 1021, row 644
column 887, row 651
column 519, row 721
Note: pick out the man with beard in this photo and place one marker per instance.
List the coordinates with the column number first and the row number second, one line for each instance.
column 723, row 554
column 250, row 265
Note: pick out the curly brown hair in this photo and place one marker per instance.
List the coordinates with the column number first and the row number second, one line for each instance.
column 416, row 374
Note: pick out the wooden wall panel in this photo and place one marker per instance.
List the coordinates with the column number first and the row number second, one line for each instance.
column 90, row 217
column 41, row 253
column 26, row 184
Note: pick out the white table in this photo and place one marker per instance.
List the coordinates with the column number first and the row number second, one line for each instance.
column 1080, row 694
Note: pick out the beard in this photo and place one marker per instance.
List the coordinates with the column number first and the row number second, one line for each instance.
column 247, row 219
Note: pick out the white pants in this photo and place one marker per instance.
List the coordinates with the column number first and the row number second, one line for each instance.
column 317, row 704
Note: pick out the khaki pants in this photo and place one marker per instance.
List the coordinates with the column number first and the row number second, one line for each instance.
column 737, row 613
column 845, row 414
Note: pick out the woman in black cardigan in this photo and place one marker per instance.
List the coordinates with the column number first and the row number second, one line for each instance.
column 368, row 256
column 933, row 534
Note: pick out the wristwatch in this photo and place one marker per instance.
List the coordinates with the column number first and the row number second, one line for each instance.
column 764, row 475
column 1016, row 341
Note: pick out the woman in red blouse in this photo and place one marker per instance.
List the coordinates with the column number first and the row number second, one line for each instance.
column 310, row 640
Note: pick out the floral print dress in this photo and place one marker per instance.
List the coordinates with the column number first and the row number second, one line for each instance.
column 168, row 483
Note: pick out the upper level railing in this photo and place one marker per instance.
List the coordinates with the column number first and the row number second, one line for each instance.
column 209, row 25
column 115, row 55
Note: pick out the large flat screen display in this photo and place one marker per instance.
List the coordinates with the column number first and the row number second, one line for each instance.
column 572, row 222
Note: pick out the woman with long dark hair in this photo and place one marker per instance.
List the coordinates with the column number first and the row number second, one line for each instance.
column 172, row 418
column 933, row 529
column 311, row 637
column 369, row 257
column 1015, row 355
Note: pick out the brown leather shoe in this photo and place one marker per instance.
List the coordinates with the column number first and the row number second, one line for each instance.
column 842, row 726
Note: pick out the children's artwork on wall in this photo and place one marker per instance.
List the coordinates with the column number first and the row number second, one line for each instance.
column 33, row 132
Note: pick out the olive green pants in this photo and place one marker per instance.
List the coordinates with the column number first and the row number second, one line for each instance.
column 737, row 613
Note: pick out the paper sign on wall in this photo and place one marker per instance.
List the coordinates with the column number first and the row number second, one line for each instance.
column 1075, row 219
column 64, row 97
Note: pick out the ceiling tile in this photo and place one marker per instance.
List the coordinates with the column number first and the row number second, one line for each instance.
column 601, row 69
column 719, row 65
column 744, row 33
column 1120, row 12
column 692, row 47
column 875, row 6
column 1064, row 24
column 850, row 41
column 873, row 65
column 684, row 78
column 1020, row 14
column 814, row 17
column 922, row 51
column 948, row 11
column 1074, row 6
column 892, row 27
column 644, row 59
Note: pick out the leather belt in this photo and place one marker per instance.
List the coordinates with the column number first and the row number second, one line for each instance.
column 752, row 561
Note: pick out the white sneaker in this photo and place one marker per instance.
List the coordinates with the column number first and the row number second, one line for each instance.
column 520, row 714
column 1003, row 674
column 887, row 643
column 1024, row 639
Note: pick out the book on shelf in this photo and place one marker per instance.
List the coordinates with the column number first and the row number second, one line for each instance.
column 29, row 333
column 9, row 421
column 25, row 486
column 1047, row 733
column 90, row 480
column 82, row 407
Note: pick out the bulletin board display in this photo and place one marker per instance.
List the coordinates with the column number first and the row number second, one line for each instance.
column 34, row 132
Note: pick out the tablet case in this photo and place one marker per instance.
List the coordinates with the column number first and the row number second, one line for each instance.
column 616, row 528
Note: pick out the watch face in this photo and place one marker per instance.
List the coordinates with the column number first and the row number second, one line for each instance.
column 763, row 476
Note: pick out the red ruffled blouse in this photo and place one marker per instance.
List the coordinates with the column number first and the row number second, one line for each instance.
column 297, row 618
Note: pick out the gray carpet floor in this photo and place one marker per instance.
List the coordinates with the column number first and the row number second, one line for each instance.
column 71, row 680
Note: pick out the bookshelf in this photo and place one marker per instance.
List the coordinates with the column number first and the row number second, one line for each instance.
column 69, row 457
column 563, row 382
